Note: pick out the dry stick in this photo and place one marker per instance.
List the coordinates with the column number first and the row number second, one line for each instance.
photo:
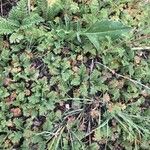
column 29, row 8
column 140, row 48
column 141, row 38
column 127, row 78
column 89, row 129
column 1, row 8
column 3, row 4
column 92, row 66
column 89, row 81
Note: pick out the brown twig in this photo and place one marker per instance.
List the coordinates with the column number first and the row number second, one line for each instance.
column 125, row 77
column 1, row 8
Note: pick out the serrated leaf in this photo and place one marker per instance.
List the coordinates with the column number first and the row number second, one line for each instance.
column 16, row 38
column 20, row 11
column 103, row 29
column 76, row 81
column 31, row 20
column 7, row 26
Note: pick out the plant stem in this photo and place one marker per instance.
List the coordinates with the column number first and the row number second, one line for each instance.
column 29, row 8
column 140, row 48
column 127, row 78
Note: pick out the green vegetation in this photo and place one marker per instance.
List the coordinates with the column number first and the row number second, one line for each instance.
column 75, row 75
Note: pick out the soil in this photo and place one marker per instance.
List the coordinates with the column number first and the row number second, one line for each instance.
column 5, row 6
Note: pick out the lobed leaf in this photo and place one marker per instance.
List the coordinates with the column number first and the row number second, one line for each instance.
column 7, row 26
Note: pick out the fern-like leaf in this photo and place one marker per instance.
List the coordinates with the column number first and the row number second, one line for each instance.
column 16, row 37
column 7, row 26
column 19, row 12
column 49, row 8
column 31, row 20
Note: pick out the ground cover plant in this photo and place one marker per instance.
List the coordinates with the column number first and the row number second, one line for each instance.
column 75, row 75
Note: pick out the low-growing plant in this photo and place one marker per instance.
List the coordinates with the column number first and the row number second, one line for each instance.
column 72, row 75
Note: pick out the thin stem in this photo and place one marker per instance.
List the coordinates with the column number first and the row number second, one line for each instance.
column 77, row 99
column 1, row 8
column 29, row 7
column 100, row 126
column 140, row 48
column 127, row 78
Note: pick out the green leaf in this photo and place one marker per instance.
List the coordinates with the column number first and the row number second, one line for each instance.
column 16, row 136
column 31, row 20
column 16, row 38
column 7, row 26
column 66, row 75
column 84, row 89
column 107, row 28
column 94, row 146
column 20, row 11
column 76, row 81
column 49, row 9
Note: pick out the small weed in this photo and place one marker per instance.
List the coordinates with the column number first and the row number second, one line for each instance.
column 75, row 75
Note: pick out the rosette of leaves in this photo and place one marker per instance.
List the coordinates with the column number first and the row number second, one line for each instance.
column 18, row 21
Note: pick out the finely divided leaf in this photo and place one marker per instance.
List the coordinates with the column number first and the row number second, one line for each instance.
column 19, row 12
column 31, row 20
column 7, row 26
column 16, row 37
